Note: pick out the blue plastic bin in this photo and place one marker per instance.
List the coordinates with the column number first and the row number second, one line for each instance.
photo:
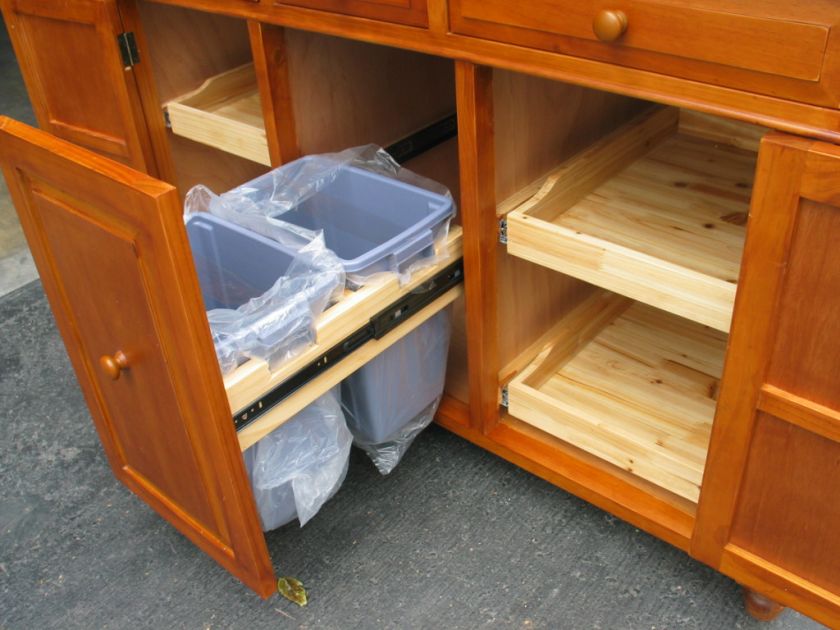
column 372, row 222
column 390, row 391
column 233, row 264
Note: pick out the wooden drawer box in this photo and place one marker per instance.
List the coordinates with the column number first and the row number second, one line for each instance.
column 411, row 12
column 777, row 48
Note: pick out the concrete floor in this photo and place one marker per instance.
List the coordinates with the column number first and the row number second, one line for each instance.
column 455, row 538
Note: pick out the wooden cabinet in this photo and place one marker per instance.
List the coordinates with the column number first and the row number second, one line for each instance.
column 769, row 511
column 650, row 309
column 81, row 87
column 776, row 48
column 115, row 263
column 411, row 12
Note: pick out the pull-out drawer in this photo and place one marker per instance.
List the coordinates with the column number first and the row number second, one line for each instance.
column 776, row 48
column 114, row 258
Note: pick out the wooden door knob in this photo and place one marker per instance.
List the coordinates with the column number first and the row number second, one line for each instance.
column 609, row 25
column 113, row 365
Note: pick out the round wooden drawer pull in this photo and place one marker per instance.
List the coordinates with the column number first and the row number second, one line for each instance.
column 609, row 25
column 113, row 365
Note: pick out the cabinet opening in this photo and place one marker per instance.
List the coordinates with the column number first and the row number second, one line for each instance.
column 625, row 224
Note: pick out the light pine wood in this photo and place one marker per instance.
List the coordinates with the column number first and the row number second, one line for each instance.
column 536, row 125
column 631, row 384
column 225, row 112
column 655, row 216
column 253, row 378
column 317, row 387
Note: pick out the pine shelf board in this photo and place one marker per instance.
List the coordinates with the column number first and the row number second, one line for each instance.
column 224, row 112
column 650, row 212
column 636, row 387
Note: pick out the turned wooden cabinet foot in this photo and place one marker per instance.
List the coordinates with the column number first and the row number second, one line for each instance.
column 761, row 607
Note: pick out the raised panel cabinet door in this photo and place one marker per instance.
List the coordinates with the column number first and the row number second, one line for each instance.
column 114, row 259
column 769, row 511
column 80, row 86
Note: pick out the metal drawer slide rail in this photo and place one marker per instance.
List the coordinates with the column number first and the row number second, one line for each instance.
column 378, row 326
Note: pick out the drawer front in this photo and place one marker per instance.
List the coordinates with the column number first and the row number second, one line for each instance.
column 411, row 12
column 669, row 37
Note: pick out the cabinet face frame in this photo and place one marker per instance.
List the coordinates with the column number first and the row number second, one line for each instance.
column 775, row 449
column 162, row 416
column 82, row 60
column 409, row 12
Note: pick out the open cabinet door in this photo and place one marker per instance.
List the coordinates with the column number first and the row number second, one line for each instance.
column 81, row 87
column 114, row 259
column 769, row 512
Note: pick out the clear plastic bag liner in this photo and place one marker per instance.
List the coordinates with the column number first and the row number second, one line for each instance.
column 259, row 205
column 300, row 465
column 386, row 455
column 280, row 323
column 389, row 401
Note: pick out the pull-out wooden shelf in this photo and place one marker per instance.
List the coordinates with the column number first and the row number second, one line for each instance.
column 254, row 378
column 655, row 211
column 629, row 383
column 225, row 113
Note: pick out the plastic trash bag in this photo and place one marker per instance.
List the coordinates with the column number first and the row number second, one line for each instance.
column 300, row 465
column 389, row 401
column 260, row 204
column 279, row 323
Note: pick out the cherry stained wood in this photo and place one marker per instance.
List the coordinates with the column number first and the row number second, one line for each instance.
column 761, row 607
column 113, row 256
column 75, row 76
column 787, row 113
column 768, row 512
column 271, row 65
column 409, row 12
column 474, row 94
column 776, row 47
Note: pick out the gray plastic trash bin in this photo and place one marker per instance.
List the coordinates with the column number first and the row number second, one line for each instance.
column 297, row 467
column 251, row 311
column 233, row 264
column 372, row 222
column 390, row 391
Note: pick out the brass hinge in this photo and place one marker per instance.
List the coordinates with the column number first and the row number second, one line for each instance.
column 505, row 402
column 128, row 49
